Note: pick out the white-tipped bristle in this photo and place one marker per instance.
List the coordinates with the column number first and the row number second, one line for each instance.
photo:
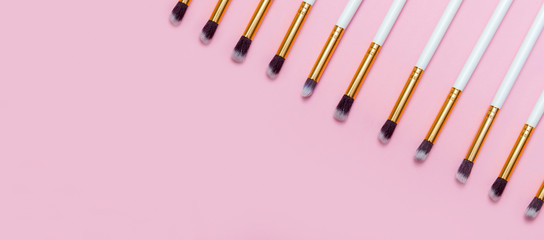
column 173, row 20
column 382, row 138
column 307, row 91
column 271, row 73
column 531, row 213
column 238, row 56
column 421, row 155
column 204, row 39
column 340, row 115
column 493, row 195
column 462, row 178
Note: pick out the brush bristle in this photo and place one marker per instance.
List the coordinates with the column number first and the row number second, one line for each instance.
column 274, row 67
column 309, row 87
column 241, row 49
column 387, row 131
column 464, row 171
column 534, row 208
column 497, row 189
column 177, row 13
column 423, row 150
column 208, row 31
column 343, row 108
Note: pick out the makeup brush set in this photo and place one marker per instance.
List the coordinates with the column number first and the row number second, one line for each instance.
column 347, row 100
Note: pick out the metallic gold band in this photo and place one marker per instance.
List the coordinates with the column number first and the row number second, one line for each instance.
column 185, row 1
column 257, row 18
column 540, row 193
column 326, row 53
column 219, row 10
column 406, row 94
column 443, row 115
column 482, row 133
column 294, row 29
column 516, row 152
column 363, row 70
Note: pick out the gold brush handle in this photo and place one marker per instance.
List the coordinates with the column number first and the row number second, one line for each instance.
column 257, row 18
column 186, row 2
column 479, row 139
column 404, row 97
column 363, row 70
column 219, row 10
column 540, row 193
column 443, row 115
column 516, row 152
column 294, row 29
column 326, row 53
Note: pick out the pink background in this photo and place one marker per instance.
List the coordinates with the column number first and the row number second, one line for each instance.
column 116, row 125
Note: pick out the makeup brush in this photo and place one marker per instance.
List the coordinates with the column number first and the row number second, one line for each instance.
column 463, row 78
column 534, row 207
column 179, row 11
column 211, row 26
column 499, row 185
column 439, row 31
column 277, row 62
column 500, row 97
column 330, row 46
column 343, row 108
column 242, row 47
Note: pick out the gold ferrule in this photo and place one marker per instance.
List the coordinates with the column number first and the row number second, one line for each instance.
column 406, row 94
column 363, row 70
column 443, row 115
column 294, row 29
column 516, row 152
column 482, row 133
column 257, row 18
column 185, row 1
column 326, row 53
column 219, row 10
column 540, row 193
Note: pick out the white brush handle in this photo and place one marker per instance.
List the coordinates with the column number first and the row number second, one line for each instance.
column 519, row 61
column 311, row 2
column 348, row 13
column 389, row 21
column 537, row 112
column 482, row 44
column 438, row 33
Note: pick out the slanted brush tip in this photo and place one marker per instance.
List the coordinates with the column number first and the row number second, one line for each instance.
column 308, row 87
column 241, row 49
column 464, row 171
column 343, row 108
column 177, row 13
column 275, row 66
column 208, row 31
column 497, row 189
column 387, row 131
column 423, row 150
column 534, row 208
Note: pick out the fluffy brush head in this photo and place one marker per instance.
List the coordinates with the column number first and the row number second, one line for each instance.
column 387, row 131
column 423, row 150
column 497, row 189
column 464, row 171
column 208, row 31
column 177, row 13
column 533, row 208
column 241, row 49
column 309, row 87
column 275, row 66
column 343, row 108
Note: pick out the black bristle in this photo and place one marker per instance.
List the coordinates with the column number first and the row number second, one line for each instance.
column 241, row 49
column 534, row 208
column 464, row 171
column 497, row 189
column 343, row 108
column 423, row 150
column 309, row 87
column 208, row 31
column 275, row 66
column 178, row 12
column 387, row 131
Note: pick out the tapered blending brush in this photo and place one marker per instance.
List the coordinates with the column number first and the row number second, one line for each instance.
column 500, row 97
column 211, row 26
column 534, row 207
column 343, row 108
column 179, row 11
column 439, row 31
column 330, row 46
column 242, row 47
column 277, row 62
column 463, row 78
column 499, row 185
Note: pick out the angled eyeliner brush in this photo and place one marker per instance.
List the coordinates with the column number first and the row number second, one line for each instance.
column 276, row 64
column 463, row 78
column 500, row 97
column 211, row 26
column 499, row 185
column 536, row 205
column 242, row 47
column 344, row 106
column 179, row 11
column 330, row 46
column 388, row 128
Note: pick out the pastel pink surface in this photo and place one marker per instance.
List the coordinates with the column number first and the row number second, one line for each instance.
column 117, row 125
